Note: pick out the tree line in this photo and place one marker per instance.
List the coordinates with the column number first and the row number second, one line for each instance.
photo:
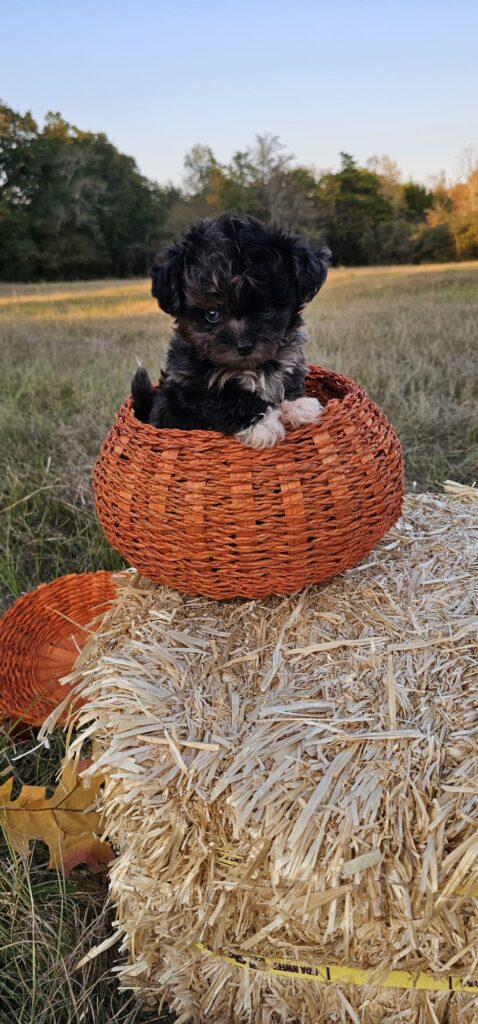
column 73, row 206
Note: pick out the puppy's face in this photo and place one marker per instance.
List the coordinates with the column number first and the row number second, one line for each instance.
column 236, row 288
column 236, row 333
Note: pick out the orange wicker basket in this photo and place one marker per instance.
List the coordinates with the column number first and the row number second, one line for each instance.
column 40, row 637
column 200, row 512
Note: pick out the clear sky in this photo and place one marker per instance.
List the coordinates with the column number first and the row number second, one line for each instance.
column 396, row 78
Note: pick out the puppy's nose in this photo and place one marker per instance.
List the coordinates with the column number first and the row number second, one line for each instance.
column 244, row 346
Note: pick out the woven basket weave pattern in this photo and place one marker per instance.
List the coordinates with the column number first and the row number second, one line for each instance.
column 200, row 512
column 40, row 637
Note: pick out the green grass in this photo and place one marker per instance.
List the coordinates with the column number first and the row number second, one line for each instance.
column 66, row 357
column 48, row 923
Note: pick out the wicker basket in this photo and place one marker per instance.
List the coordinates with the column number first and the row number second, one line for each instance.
column 200, row 512
column 40, row 637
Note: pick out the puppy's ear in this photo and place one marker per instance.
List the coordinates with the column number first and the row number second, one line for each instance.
column 167, row 278
column 311, row 263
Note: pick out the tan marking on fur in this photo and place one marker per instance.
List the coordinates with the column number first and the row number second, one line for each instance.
column 270, row 387
column 219, row 378
column 236, row 326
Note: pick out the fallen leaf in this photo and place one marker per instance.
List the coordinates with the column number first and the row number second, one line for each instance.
column 67, row 822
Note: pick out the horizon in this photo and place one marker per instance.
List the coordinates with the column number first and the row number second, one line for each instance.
column 383, row 82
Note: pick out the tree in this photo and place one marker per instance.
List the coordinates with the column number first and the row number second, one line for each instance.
column 464, row 218
column 71, row 205
column 259, row 181
column 416, row 201
column 17, row 133
column 465, row 236
column 200, row 165
column 389, row 176
column 17, row 136
column 355, row 209
column 435, row 244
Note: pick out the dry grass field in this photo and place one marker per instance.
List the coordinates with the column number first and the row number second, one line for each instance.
column 66, row 357
column 67, row 354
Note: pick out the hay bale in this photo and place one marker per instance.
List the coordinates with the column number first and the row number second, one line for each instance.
column 296, row 780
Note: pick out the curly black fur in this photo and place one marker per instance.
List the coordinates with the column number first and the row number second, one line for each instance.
column 226, row 375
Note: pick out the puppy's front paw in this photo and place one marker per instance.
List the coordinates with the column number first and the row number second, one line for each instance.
column 265, row 433
column 300, row 411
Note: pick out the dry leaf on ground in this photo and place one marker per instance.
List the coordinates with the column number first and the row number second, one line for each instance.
column 67, row 822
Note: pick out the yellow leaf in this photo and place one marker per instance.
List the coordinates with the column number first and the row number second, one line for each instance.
column 67, row 822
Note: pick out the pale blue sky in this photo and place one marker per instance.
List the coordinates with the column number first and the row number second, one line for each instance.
column 368, row 78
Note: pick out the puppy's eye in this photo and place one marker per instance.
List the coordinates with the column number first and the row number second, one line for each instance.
column 268, row 311
column 212, row 316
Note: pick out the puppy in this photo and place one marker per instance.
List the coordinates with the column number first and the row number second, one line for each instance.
column 236, row 288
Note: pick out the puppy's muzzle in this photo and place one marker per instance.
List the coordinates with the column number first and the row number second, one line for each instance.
column 244, row 346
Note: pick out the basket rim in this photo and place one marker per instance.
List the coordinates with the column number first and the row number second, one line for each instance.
column 175, row 438
column 31, row 627
column 34, row 593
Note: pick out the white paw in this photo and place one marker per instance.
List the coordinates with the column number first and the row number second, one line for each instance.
column 301, row 411
column 265, row 433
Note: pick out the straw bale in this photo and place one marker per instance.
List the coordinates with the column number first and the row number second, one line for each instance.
column 298, row 779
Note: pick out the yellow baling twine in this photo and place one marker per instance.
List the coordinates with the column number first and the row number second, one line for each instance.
column 331, row 973
column 325, row 973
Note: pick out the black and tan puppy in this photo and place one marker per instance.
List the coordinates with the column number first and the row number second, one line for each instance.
column 236, row 288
